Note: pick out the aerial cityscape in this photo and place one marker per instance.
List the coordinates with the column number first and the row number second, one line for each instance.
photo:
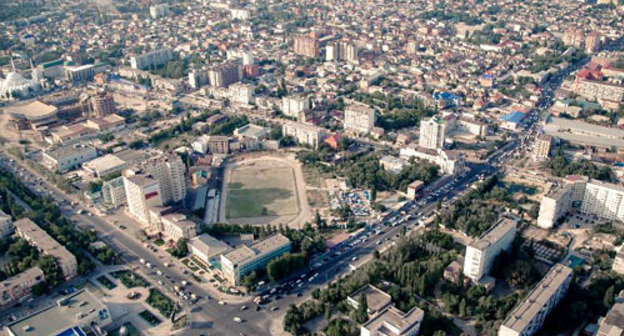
column 312, row 168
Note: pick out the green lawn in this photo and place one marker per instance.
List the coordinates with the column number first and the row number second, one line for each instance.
column 261, row 192
column 130, row 279
column 106, row 282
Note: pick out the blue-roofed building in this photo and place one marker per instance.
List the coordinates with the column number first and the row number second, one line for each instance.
column 512, row 120
column 446, row 99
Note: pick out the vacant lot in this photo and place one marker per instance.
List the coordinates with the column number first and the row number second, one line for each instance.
column 256, row 191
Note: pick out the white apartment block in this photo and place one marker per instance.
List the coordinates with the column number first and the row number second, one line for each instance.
column 68, row 157
column 432, row 133
column 618, row 261
column 393, row 322
column 168, row 170
column 38, row 238
column 240, row 14
column 305, row 134
column 480, row 254
column 6, row 225
column 359, row 119
column 142, row 192
column 158, row 11
column 605, row 200
column 292, row 106
column 241, row 93
column 602, row 199
column 528, row 316
column 151, row 59
column 449, row 162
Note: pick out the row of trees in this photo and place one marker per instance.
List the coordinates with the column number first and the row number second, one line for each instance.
column 560, row 166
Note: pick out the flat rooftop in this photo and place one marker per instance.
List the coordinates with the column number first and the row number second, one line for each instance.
column 522, row 315
column 376, row 299
column 391, row 320
column 586, row 133
column 57, row 319
column 494, row 234
column 209, row 245
column 245, row 253
column 34, row 110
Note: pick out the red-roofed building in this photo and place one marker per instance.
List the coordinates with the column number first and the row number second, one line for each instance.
column 333, row 141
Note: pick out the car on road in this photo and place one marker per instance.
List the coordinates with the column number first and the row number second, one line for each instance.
column 222, row 303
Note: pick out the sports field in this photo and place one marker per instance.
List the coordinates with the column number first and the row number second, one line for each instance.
column 261, row 191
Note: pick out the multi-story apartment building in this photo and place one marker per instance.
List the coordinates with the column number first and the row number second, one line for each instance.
column 560, row 200
column 480, row 254
column 65, row 158
column 449, row 162
column 113, row 192
column 225, row 74
column 102, row 104
column 198, row 78
column 245, row 259
column 292, row 106
column 602, row 91
column 46, row 245
column 432, row 133
column 359, row 118
column 213, row 144
column 19, row 287
column 618, row 262
column 605, row 200
column 6, row 225
column 393, row 322
column 159, row 10
column 241, row 93
column 573, row 37
column 142, row 192
column 528, row 316
column 151, row 59
column 542, row 147
column 307, row 46
column 305, row 134
column 168, row 170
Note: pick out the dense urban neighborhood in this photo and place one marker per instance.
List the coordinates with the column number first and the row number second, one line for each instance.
column 312, row 168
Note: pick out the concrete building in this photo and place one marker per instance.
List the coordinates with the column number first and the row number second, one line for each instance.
column 207, row 249
column 241, row 93
column 80, row 313
column 528, row 316
column 142, row 192
column 6, row 225
column 602, row 199
column 304, row 134
column 307, row 46
column 151, row 59
column 542, row 147
column 102, row 104
column 432, row 133
column 480, row 254
column 18, row 288
column 245, row 259
column 293, row 106
column 613, row 323
column 168, row 170
column 46, row 245
column 33, row 115
column 225, row 74
column 113, row 192
column 376, row 299
column 198, row 78
column 173, row 226
column 105, row 165
column 213, row 144
column 65, row 158
column 449, row 162
column 159, row 10
column 359, row 119
column 80, row 74
column 393, row 322
column 583, row 133
column 414, row 188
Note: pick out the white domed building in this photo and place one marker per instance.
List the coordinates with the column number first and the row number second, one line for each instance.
column 15, row 85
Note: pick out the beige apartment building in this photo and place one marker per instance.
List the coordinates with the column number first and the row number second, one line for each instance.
column 359, row 119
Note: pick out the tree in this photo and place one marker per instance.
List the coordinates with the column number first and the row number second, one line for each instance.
column 180, row 250
column 361, row 313
column 328, row 311
column 609, row 297
column 462, row 308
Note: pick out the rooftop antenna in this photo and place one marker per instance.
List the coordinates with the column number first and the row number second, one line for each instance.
column 12, row 63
